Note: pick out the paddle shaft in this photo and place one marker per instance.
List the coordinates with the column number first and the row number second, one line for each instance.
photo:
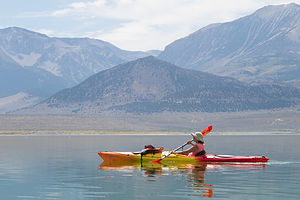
column 204, row 132
column 171, row 152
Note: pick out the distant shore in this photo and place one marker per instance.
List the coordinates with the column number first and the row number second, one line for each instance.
column 285, row 121
column 82, row 133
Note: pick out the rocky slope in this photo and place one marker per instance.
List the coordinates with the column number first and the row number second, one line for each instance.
column 261, row 47
column 70, row 60
column 151, row 85
column 39, row 65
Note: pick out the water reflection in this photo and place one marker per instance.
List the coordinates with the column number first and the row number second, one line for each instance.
column 194, row 174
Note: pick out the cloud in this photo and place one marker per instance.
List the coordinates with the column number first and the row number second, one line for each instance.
column 44, row 31
column 152, row 24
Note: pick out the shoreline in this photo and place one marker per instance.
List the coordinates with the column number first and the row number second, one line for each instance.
column 241, row 123
column 93, row 132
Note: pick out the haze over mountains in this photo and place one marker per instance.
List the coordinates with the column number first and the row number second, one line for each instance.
column 261, row 47
column 40, row 65
column 150, row 85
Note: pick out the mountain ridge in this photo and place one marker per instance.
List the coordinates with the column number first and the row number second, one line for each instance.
column 263, row 46
column 152, row 85
column 259, row 48
column 69, row 59
column 40, row 66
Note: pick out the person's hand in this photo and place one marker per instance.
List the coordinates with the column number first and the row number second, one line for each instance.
column 190, row 142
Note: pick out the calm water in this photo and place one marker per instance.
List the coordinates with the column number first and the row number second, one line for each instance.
column 68, row 167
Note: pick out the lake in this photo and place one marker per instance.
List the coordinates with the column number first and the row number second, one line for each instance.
column 68, row 167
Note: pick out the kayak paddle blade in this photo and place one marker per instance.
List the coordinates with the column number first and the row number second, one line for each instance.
column 206, row 131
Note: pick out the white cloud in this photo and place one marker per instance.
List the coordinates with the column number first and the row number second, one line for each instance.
column 44, row 31
column 152, row 24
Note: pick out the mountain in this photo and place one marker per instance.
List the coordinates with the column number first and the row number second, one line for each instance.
column 151, row 85
column 39, row 65
column 17, row 101
column 154, row 52
column 15, row 79
column 70, row 59
column 261, row 47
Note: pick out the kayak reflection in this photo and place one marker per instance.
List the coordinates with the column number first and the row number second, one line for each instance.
column 194, row 173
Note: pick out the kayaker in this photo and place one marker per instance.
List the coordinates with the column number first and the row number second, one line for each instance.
column 197, row 149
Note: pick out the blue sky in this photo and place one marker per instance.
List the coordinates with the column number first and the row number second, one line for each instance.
column 128, row 24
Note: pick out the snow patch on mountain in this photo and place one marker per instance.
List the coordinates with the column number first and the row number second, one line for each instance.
column 26, row 60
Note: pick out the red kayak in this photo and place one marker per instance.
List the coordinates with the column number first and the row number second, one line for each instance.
column 230, row 158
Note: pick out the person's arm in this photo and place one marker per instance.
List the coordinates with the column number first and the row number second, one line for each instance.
column 192, row 149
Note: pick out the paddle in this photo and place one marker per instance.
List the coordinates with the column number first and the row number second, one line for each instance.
column 158, row 160
column 204, row 133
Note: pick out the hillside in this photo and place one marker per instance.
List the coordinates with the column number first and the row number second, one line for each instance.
column 151, row 85
column 261, row 47
column 39, row 65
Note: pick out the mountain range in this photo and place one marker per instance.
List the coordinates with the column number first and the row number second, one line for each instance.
column 150, row 85
column 260, row 53
column 261, row 47
column 40, row 65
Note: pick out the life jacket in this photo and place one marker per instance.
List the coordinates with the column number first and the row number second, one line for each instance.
column 150, row 149
column 200, row 151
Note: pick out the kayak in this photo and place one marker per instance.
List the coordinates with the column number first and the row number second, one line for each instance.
column 155, row 155
column 131, row 157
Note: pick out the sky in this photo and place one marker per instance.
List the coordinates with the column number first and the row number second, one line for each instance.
column 136, row 25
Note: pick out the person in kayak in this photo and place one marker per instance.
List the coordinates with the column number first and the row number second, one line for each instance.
column 197, row 149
